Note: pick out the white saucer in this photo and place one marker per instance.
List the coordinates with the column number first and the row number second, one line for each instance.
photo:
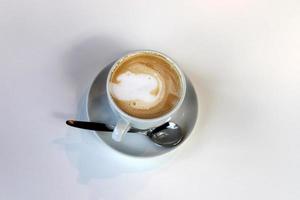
column 134, row 144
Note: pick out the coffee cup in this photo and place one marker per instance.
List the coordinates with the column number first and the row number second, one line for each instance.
column 144, row 89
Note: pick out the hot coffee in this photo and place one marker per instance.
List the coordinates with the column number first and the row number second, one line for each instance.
column 145, row 85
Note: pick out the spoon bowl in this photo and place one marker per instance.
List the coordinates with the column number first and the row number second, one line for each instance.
column 167, row 135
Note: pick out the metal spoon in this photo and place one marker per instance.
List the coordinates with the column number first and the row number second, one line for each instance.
column 167, row 135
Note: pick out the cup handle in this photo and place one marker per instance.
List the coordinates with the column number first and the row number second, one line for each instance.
column 120, row 129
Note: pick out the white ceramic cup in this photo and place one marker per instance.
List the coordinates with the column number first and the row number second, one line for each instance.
column 125, row 121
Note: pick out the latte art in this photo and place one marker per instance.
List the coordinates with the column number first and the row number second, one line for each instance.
column 143, row 90
column 145, row 86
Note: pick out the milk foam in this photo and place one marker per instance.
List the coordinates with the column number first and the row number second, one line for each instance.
column 138, row 88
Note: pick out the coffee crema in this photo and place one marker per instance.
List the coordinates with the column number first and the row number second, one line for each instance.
column 145, row 85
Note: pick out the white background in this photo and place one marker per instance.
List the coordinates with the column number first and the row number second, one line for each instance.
column 243, row 57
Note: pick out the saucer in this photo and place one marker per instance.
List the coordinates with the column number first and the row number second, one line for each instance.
column 133, row 144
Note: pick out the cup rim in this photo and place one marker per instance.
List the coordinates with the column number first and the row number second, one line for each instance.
column 136, row 119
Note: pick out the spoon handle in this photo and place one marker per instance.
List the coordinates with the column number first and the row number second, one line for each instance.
column 95, row 126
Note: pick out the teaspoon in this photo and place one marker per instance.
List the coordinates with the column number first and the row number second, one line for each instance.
column 167, row 135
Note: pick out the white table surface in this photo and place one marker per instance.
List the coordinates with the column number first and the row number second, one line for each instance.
column 243, row 58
